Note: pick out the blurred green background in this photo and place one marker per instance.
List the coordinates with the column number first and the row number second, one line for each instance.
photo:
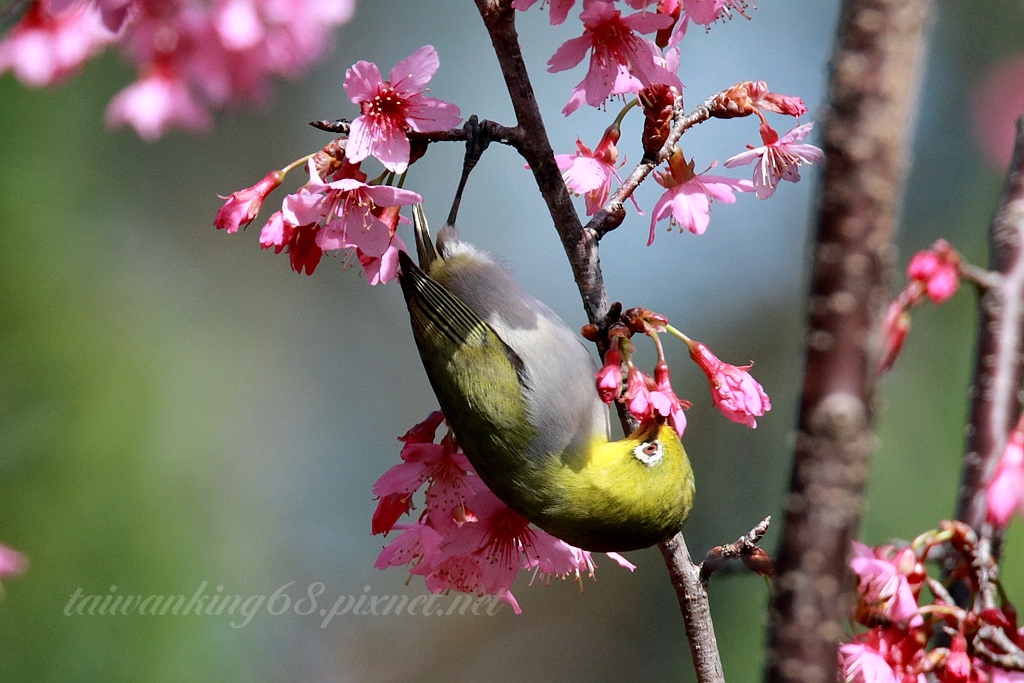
column 178, row 407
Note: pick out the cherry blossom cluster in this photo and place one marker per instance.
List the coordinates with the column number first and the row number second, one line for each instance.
column 191, row 56
column 465, row 539
column 734, row 391
column 933, row 273
column 901, row 618
column 337, row 210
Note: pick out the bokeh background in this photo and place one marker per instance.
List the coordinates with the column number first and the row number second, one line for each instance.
column 178, row 407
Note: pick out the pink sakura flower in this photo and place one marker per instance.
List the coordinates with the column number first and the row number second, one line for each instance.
column 735, row 392
column 467, row 539
column 559, row 9
column 443, row 464
column 344, row 214
column 708, row 11
column 393, row 107
column 884, row 582
column 937, row 269
column 995, row 105
column 687, row 198
column 609, row 377
column 155, row 103
column 590, row 173
column 1005, row 492
column 44, row 48
column 895, row 327
column 12, row 563
column 620, row 62
column 665, row 401
column 884, row 655
column 242, row 206
column 778, row 159
column 299, row 240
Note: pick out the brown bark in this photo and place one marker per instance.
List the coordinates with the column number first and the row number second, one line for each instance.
column 871, row 89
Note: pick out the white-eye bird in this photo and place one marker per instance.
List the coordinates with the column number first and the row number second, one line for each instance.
column 517, row 387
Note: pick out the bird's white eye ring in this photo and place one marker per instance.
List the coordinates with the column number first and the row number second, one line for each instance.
column 649, row 453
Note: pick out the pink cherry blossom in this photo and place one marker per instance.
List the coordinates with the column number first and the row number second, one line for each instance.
column 859, row 663
column 242, row 206
column 43, row 49
column 590, row 173
column 467, row 540
column 884, row 582
column 283, row 233
column 1005, row 492
column 620, row 62
column 937, row 269
column 895, row 326
column 687, row 197
column 778, row 159
column 609, row 377
column 708, row 11
column 559, row 9
column 393, row 107
column 12, row 563
column 883, row 655
column 995, row 105
column 637, row 396
column 665, row 401
column 190, row 57
column 156, row 102
column 735, row 392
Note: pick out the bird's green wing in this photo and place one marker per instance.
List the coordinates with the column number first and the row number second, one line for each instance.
column 477, row 377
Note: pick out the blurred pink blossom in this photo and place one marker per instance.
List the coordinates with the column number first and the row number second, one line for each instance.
column 996, row 104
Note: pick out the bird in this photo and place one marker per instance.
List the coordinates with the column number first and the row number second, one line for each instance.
column 517, row 388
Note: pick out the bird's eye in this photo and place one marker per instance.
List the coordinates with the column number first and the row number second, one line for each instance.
column 649, row 452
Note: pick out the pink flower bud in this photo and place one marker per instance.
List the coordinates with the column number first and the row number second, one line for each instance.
column 895, row 327
column 242, row 206
column 1005, row 493
column 938, row 269
column 735, row 392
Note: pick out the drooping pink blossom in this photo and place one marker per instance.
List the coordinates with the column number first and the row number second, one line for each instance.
column 708, row 11
column 937, row 269
column 735, row 392
column 242, row 206
column 609, row 377
column 621, row 61
column 156, row 102
column 778, row 159
column 590, row 173
column 665, row 401
column 1004, row 494
column 12, row 563
column 895, row 326
column 884, row 582
column 190, row 57
column 468, row 540
column 883, row 655
column 559, row 9
column 393, row 107
column 43, row 49
column 686, row 201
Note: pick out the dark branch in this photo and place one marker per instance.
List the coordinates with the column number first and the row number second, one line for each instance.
column 998, row 372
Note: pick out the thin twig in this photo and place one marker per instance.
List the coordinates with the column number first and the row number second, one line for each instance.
column 744, row 548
